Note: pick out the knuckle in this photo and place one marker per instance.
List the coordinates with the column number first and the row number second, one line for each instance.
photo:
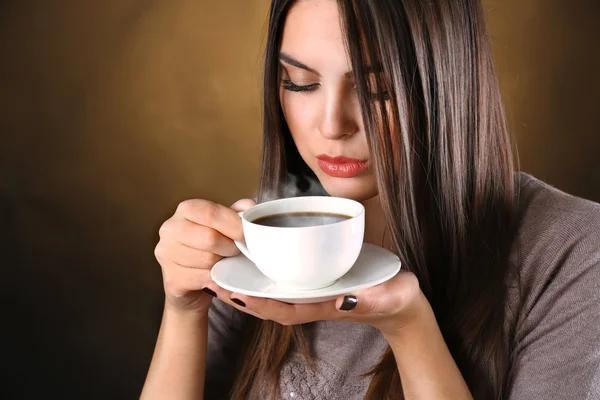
column 243, row 204
column 166, row 228
column 210, row 212
column 159, row 251
column 185, row 207
column 412, row 283
column 371, row 306
column 193, row 207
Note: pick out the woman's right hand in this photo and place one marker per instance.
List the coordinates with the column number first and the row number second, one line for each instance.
column 199, row 234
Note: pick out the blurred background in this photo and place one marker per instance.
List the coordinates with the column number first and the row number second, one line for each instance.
column 114, row 111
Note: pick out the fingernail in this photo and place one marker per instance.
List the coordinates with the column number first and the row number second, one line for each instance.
column 349, row 303
column 239, row 302
column 209, row 292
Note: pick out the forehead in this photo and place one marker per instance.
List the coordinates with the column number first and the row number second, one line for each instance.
column 312, row 34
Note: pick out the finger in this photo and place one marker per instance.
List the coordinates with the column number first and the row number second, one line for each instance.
column 225, row 296
column 243, row 205
column 185, row 256
column 284, row 313
column 387, row 298
column 216, row 216
column 198, row 237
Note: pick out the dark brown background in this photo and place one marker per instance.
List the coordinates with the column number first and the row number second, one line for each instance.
column 111, row 112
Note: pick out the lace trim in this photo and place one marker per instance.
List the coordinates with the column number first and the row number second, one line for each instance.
column 298, row 382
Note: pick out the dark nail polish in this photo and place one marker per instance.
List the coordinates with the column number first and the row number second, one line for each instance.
column 209, row 292
column 239, row 302
column 349, row 303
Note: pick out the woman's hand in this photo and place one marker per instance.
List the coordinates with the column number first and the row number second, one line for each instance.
column 199, row 234
column 388, row 307
column 401, row 312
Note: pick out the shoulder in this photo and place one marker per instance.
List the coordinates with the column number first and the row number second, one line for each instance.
column 544, row 208
column 557, row 232
column 553, row 313
column 558, row 241
column 536, row 192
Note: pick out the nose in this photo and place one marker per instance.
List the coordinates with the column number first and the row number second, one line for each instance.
column 341, row 117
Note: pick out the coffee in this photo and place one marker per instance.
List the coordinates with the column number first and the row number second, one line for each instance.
column 300, row 219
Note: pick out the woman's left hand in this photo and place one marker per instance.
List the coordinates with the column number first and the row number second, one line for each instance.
column 388, row 307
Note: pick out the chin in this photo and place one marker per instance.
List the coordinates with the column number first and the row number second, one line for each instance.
column 359, row 188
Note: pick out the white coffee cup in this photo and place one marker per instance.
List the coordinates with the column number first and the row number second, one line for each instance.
column 304, row 258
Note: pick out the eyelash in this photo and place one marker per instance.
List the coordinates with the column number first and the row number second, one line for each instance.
column 292, row 87
column 287, row 84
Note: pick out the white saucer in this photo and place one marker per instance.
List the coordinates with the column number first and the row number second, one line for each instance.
column 374, row 266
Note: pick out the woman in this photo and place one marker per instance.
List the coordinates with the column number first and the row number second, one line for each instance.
column 499, row 294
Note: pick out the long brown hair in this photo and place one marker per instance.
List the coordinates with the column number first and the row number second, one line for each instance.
column 445, row 174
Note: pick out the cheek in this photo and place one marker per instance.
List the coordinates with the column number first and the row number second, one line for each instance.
column 300, row 113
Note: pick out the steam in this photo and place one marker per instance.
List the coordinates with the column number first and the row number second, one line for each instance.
column 297, row 186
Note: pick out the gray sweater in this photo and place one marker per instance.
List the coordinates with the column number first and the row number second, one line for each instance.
column 552, row 317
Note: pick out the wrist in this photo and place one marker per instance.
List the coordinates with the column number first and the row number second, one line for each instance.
column 419, row 319
column 192, row 315
column 426, row 366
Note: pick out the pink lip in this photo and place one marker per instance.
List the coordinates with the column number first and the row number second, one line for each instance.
column 340, row 166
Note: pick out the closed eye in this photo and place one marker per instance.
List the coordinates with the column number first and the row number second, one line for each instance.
column 287, row 84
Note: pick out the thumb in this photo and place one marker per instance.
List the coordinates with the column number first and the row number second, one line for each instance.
column 387, row 298
column 243, row 205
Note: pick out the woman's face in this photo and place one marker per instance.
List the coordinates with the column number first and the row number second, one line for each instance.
column 320, row 103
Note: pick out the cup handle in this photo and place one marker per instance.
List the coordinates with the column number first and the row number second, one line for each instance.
column 242, row 246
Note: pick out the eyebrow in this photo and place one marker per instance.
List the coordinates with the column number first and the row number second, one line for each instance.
column 286, row 58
